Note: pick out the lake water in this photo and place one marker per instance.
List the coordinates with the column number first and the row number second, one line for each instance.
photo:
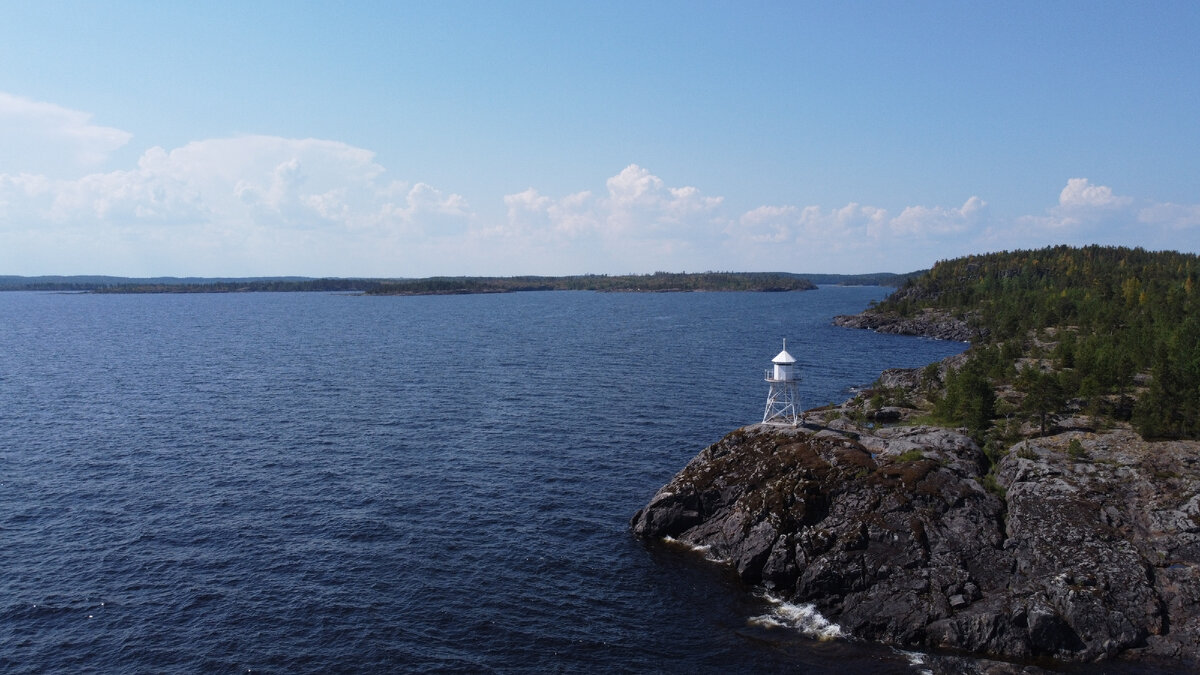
column 337, row 483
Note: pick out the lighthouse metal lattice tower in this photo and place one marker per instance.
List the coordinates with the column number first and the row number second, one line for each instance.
column 783, row 401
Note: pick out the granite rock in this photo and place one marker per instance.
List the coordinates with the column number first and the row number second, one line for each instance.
column 932, row 323
column 891, row 533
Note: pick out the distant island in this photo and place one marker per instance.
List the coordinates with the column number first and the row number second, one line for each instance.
column 1035, row 499
column 659, row 282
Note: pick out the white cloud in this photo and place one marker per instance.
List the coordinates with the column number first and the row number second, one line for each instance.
column 1175, row 216
column 1093, row 214
column 766, row 224
column 429, row 210
column 854, row 237
column 638, row 205
column 853, row 226
column 1081, row 207
column 633, row 185
column 531, row 213
column 848, row 227
column 639, row 223
column 246, row 181
column 1081, row 194
column 47, row 139
column 244, row 205
column 252, row 205
column 642, row 220
column 924, row 221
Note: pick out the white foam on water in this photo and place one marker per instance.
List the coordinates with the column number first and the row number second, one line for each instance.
column 694, row 547
column 804, row 618
column 705, row 551
column 916, row 660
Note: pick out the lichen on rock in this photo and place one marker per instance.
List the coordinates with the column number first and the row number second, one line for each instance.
column 891, row 534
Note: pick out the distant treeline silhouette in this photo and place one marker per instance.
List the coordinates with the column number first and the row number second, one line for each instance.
column 657, row 282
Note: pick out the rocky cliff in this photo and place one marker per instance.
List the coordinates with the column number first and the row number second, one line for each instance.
column 1083, row 546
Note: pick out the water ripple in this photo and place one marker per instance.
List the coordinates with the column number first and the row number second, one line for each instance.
column 316, row 483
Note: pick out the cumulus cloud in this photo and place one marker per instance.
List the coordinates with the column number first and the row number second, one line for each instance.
column 637, row 205
column 852, row 226
column 530, row 213
column 1081, row 206
column 1081, row 194
column 46, row 139
column 766, row 224
column 638, row 222
column 640, row 212
column 248, row 204
column 245, row 181
column 925, row 221
column 255, row 204
column 640, row 203
column 251, row 205
column 1087, row 213
column 849, row 226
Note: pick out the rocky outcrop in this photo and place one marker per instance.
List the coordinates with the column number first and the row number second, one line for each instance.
column 1085, row 547
column 930, row 323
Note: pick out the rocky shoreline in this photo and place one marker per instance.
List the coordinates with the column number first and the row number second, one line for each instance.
column 929, row 323
column 1078, row 547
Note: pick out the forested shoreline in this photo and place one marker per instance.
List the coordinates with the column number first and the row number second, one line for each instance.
column 999, row 502
column 448, row 285
column 1108, row 332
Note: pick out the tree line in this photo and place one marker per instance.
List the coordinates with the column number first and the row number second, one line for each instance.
column 1110, row 331
column 657, row 282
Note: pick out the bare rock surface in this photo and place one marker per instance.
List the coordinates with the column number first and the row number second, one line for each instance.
column 930, row 323
column 1078, row 552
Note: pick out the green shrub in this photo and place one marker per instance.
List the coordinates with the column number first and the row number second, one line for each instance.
column 993, row 486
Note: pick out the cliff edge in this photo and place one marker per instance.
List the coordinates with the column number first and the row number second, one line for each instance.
column 1082, row 546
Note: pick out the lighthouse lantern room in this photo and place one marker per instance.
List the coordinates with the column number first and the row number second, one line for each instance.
column 783, row 403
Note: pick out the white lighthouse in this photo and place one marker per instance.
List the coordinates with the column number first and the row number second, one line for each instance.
column 783, row 403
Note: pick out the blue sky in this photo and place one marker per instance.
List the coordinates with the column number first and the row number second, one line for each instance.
column 481, row 138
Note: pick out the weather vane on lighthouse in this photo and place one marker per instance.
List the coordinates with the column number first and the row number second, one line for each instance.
column 783, row 403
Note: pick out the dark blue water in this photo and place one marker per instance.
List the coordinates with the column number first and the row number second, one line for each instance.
column 314, row 483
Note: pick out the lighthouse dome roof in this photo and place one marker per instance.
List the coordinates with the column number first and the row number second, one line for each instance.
column 783, row 358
